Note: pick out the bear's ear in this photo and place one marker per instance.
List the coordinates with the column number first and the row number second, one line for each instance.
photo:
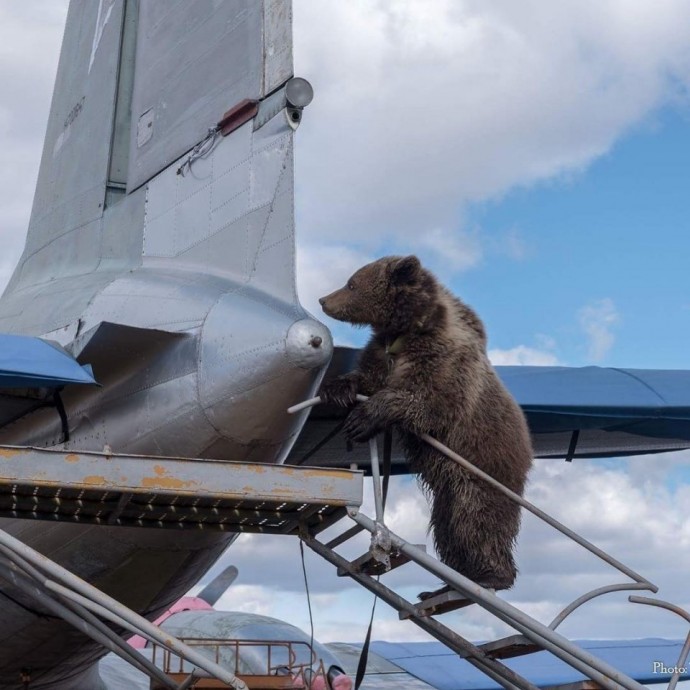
column 405, row 270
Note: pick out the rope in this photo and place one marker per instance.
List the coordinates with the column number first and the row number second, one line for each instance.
column 306, row 587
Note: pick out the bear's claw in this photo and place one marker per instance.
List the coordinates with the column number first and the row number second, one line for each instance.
column 360, row 425
column 341, row 392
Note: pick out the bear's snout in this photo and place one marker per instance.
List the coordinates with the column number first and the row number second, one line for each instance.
column 330, row 304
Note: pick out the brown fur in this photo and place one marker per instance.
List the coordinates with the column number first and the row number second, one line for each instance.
column 443, row 384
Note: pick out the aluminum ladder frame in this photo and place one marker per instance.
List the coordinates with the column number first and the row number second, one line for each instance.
column 384, row 543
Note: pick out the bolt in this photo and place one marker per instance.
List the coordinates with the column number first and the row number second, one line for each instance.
column 316, row 341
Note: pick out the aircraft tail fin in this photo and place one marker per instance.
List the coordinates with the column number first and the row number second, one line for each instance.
column 139, row 85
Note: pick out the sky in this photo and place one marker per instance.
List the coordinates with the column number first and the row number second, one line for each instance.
column 534, row 156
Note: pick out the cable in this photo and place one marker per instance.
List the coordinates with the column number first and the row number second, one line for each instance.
column 335, row 430
column 306, row 587
column 201, row 150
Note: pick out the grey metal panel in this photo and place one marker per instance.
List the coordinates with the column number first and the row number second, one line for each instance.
column 247, row 372
column 164, row 298
column 71, row 184
column 121, row 233
column 43, row 308
column 277, row 43
column 195, row 60
column 75, row 252
column 232, row 211
column 119, row 157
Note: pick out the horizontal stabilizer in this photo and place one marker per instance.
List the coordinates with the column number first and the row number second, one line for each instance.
column 112, row 347
column 29, row 362
column 572, row 412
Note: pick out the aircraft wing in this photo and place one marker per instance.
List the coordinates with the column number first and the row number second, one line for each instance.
column 573, row 412
column 434, row 666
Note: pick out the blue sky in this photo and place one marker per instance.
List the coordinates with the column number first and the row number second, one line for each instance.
column 616, row 230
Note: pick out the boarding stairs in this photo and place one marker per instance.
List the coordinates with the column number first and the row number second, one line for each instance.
column 389, row 551
column 181, row 493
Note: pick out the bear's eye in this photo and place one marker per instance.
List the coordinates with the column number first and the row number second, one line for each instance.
column 350, row 286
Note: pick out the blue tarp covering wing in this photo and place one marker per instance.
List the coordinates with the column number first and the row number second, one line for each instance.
column 28, row 362
column 436, row 665
column 614, row 411
column 649, row 402
column 579, row 412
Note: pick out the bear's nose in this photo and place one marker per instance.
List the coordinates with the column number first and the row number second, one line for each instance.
column 322, row 301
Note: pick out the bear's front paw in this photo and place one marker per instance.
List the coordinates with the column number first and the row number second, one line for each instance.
column 341, row 391
column 361, row 425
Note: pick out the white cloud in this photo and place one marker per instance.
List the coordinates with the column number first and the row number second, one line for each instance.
column 523, row 355
column 422, row 108
column 321, row 269
column 248, row 599
column 512, row 244
column 451, row 251
column 597, row 320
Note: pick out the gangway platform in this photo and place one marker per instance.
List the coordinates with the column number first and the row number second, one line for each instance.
column 180, row 493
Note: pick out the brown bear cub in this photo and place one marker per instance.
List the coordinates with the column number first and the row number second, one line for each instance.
column 427, row 371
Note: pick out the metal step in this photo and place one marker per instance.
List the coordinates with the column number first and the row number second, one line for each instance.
column 509, row 647
column 368, row 565
column 441, row 603
column 191, row 493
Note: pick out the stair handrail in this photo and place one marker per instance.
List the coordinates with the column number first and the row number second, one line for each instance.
column 679, row 611
column 54, row 584
column 639, row 582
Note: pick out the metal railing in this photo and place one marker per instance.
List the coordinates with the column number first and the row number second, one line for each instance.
column 278, row 658
column 544, row 636
column 680, row 664
column 86, row 607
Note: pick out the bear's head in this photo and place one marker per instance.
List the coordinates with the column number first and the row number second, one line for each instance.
column 393, row 294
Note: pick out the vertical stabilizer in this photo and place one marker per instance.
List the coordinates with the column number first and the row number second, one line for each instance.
column 140, row 83
column 195, row 60
column 70, row 193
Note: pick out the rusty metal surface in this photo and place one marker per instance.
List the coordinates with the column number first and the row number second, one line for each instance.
column 127, row 490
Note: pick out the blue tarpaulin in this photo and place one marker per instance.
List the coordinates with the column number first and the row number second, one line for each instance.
column 29, row 362
column 436, row 665
column 597, row 411
column 649, row 402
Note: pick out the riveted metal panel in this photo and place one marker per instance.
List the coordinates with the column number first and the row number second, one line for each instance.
column 195, row 60
column 175, row 300
column 46, row 307
column 277, row 43
column 232, row 210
